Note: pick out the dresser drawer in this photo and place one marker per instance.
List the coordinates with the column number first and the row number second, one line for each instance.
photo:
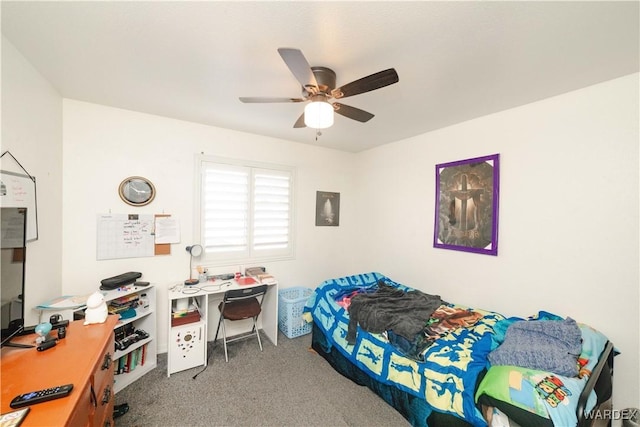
column 81, row 415
column 102, row 384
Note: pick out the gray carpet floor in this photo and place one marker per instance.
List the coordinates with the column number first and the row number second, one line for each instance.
column 285, row 385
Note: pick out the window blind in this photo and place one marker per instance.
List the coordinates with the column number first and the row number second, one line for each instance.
column 271, row 210
column 246, row 212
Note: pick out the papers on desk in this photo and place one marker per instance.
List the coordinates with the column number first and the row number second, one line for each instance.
column 246, row 281
column 67, row 301
column 265, row 279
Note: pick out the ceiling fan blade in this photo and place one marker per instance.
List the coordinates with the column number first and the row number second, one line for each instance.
column 299, row 66
column 352, row 112
column 300, row 122
column 249, row 99
column 367, row 84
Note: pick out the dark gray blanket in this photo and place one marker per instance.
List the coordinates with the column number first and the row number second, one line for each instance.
column 390, row 308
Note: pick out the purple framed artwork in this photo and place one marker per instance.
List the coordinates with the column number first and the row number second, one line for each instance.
column 467, row 193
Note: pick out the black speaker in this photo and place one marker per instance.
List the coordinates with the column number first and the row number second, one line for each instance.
column 55, row 318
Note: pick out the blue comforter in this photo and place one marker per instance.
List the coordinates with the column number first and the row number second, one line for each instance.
column 448, row 376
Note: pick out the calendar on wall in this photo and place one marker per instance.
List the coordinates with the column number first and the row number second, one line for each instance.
column 125, row 236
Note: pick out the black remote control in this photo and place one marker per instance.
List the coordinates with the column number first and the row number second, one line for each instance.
column 46, row 345
column 40, row 396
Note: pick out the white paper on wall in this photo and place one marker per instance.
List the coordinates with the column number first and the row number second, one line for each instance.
column 167, row 230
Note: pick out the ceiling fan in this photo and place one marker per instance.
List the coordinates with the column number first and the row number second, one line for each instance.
column 319, row 87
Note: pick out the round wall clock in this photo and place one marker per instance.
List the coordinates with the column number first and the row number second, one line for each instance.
column 137, row 191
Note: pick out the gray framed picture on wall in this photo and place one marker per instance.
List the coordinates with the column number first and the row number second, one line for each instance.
column 327, row 209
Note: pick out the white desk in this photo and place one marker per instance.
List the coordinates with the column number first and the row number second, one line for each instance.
column 187, row 344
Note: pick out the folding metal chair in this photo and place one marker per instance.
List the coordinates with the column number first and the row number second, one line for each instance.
column 241, row 304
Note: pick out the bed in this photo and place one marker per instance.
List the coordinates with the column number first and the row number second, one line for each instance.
column 442, row 376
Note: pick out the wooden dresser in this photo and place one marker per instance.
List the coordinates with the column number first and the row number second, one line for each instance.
column 83, row 358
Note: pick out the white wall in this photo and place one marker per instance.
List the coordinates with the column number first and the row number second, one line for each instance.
column 568, row 222
column 103, row 145
column 32, row 132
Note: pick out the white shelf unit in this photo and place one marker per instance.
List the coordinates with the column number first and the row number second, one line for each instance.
column 187, row 343
column 144, row 319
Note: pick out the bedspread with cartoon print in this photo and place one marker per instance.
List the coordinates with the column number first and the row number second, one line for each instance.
column 446, row 373
column 545, row 393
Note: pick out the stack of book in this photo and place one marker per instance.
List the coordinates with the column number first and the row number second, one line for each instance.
column 260, row 275
column 123, row 304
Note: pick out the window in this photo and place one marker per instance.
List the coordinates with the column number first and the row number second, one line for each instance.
column 246, row 211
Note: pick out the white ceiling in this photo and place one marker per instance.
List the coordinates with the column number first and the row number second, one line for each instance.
column 192, row 60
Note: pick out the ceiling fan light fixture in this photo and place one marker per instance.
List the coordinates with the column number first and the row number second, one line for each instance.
column 318, row 114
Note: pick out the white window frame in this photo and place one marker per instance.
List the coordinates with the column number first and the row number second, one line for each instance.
column 250, row 255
